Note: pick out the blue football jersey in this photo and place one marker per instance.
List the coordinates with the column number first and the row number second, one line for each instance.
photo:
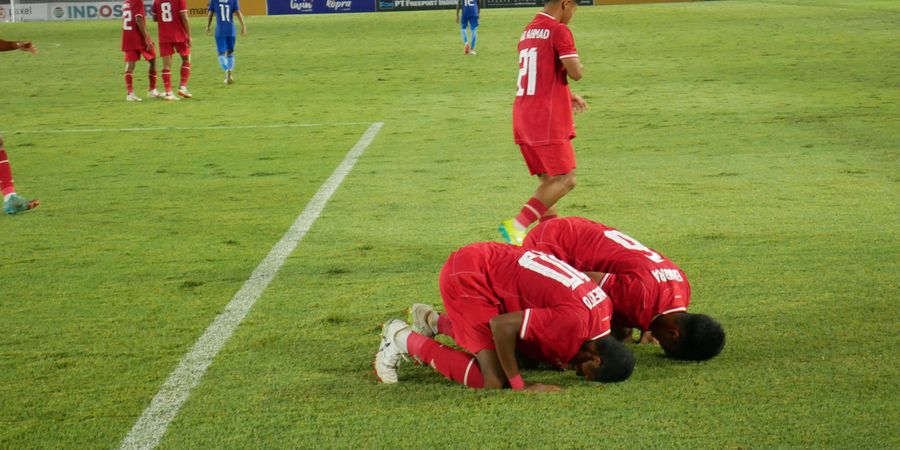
column 469, row 8
column 224, row 11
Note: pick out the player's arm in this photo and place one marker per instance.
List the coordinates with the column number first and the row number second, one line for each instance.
column 25, row 46
column 241, row 20
column 458, row 6
column 209, row 18
column 142, row 27
column 186, row 24
column 573, row 67
column 505, row 329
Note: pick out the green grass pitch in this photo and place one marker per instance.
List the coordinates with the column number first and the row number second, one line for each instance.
column 753, row 142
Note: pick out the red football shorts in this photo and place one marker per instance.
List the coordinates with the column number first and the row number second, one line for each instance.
column 469, row 302
column 551, row 159
column 169, row 48
column 135, row 55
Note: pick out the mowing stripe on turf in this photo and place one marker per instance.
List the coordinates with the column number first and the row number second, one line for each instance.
column 153, row 423
column 210, row 127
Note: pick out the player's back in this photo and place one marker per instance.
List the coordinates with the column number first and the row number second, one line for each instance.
column 224, row 11
column 131, row 34
column 469, row 8
column 168, row 16
column 595, row 247
column 645, row 283
column 563, row 307
column 542, row 110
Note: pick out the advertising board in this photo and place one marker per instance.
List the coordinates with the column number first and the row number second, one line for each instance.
column 281, row 7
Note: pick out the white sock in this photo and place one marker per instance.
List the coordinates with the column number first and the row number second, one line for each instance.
column 401, row 337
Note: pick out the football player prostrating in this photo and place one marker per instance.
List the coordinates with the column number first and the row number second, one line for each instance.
column 503, row 299
column 543, row 125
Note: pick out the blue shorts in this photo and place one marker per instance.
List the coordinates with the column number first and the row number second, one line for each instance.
column 225, row 44
column 471, row 21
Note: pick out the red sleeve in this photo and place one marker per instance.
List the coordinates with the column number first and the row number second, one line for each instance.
column 137, row 8
column 182, row 5
column 563, row 42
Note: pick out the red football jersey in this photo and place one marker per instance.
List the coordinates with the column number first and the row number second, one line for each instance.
column 131, row 35
column 167, row 13
column 643, row 283
column 563, row 307
column 542, row 111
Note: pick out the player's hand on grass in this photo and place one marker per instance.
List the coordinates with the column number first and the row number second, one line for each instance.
column 207, row 31
column 578, row 104
column 26, row 46
column 538, row 387
column 647, row 338
column 243, row 30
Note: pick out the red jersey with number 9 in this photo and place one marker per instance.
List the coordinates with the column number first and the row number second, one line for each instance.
column 131, row 35
column 643, row 284
column 542, row 111
column 167, row 13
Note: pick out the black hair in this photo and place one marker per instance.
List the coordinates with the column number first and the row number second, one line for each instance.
column 700, row 338
column 617, row 360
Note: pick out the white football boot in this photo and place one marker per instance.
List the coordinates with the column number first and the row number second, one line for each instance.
column 132, row 98
column 153, row 94
column 424, row 319
column 389, row 353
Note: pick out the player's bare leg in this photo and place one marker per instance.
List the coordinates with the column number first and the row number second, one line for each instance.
column 129, row 82
column 552, row 189
column 542, row 206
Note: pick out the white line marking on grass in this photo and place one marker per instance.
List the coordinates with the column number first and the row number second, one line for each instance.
column 210, row 127
column 153, row 423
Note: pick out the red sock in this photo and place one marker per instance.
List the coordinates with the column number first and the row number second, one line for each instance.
column 531, row 211
column 167, row 80
column 129, row 82
column 445, row 325
column 548, row 217
column 454, row 364
column 185, row 73
column 152, row 75
column 6, row 181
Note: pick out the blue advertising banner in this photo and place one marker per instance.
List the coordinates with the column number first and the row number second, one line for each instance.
column 280, row 7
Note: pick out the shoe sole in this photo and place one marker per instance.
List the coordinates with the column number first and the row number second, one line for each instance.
column 185, row 95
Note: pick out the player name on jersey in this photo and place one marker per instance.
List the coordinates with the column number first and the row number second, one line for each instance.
column 663, row 275
column 535, row 33
column 593, row 298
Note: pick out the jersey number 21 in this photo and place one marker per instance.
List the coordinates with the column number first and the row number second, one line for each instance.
column 527, row 68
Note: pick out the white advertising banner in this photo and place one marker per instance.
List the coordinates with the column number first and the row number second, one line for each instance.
column 84, row 10
column 65, row 11
column 31, row 12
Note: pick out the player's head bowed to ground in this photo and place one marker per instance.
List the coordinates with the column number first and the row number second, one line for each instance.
column 648, row 291
column 687, row 336
column 501, row 302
